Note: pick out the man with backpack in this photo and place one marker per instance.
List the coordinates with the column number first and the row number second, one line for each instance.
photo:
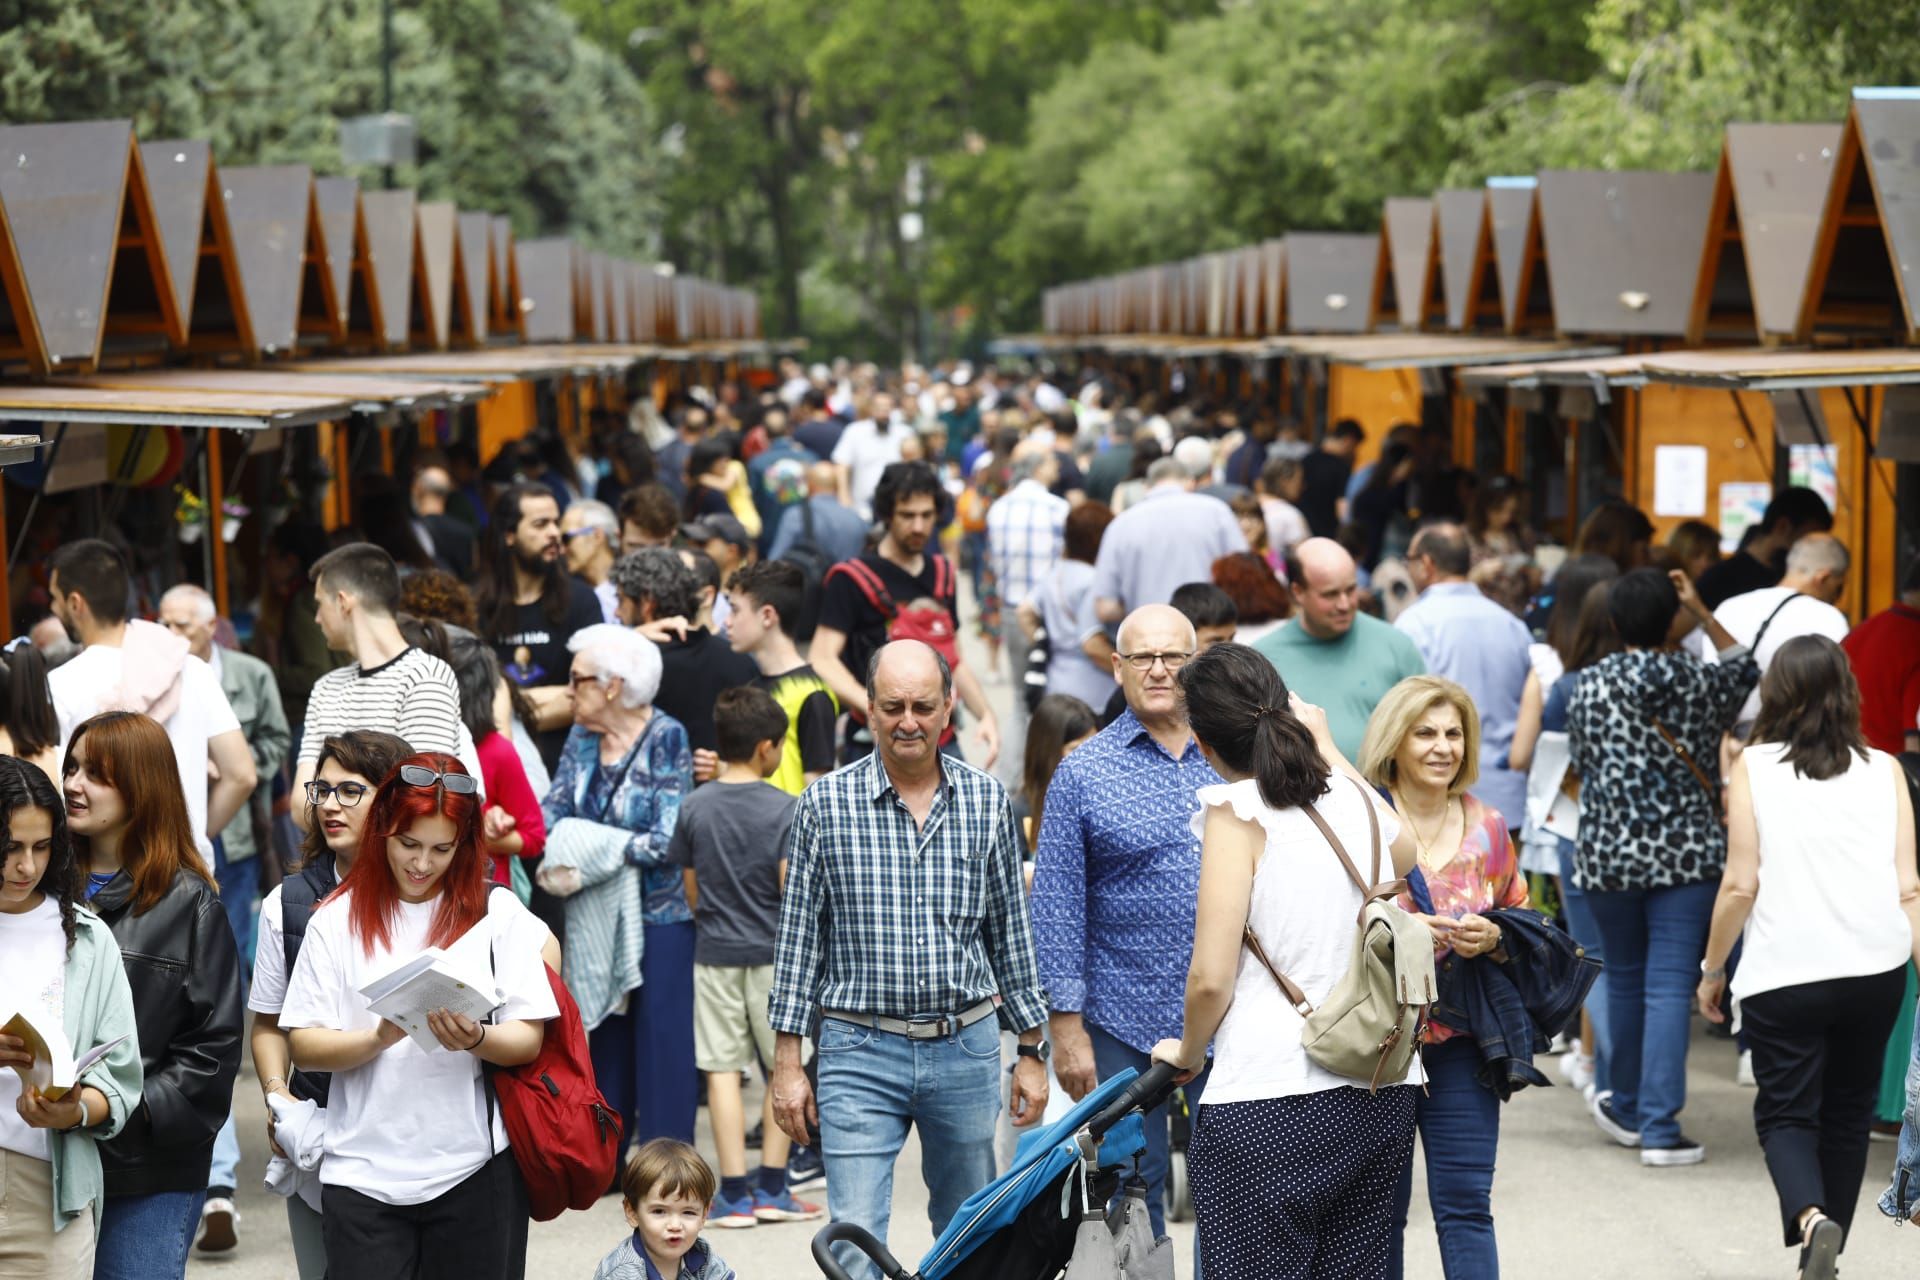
column 902, row 590
column 815, row 534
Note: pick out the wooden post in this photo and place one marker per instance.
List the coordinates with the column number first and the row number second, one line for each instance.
column 6, row 579
column 386, row 448
column 216, row 520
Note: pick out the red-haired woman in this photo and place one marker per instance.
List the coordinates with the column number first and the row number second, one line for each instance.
column 417, row 1178
column 146, row 880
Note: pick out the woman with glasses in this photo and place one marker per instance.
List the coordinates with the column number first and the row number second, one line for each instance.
column 350, row 768
column 610, row 815
column 145, row 879
column 416, row 1175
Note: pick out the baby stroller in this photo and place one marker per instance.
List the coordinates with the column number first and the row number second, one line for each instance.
column 1046, row 1216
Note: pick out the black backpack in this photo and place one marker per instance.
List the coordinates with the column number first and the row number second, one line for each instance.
column 300, row 893
column 811, row 559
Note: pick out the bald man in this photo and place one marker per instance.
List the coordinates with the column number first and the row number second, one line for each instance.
column 1117, row 875
column 837, row 531
column 904, row 931
column 1329, row 652
column 1802, row 605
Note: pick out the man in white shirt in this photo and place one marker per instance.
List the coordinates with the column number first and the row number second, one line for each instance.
column 1802, row 605
column 866, row 448
column 133, row 665
column 390, row 686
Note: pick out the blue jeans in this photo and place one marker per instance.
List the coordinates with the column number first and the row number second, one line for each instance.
column 1586, row 932
column 147, row 1237
column 239, row 894
column 873, row 1085
column 226, row 1157
column 1654, row 940
column 1459, row 1123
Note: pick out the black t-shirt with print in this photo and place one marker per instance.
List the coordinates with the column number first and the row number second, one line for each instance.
column 534, row 653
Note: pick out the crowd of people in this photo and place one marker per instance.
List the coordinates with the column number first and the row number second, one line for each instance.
column 675, row 724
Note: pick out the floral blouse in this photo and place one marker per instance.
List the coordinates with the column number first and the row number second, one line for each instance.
column 1483, row 875
column 640, row 795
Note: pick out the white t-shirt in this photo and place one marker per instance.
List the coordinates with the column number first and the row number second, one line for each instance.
column 1286, row 526
column 410, row 1125
column 33, row 956
column 1744, row 614
column 80, row 685
column 866, row 452
column 269, row 990
column 1302, row 909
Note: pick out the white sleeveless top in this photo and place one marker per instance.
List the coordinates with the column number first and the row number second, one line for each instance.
column 1303, row 910
column 1829, row 899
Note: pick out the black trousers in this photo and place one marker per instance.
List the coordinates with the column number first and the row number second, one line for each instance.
column 476, row 1231
column 1817, row 1049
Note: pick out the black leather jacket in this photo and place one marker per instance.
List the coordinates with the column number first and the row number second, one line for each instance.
column 185, row 973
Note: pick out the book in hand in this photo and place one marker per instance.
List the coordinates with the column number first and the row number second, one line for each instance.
column 458, row 978
column 55, row 1071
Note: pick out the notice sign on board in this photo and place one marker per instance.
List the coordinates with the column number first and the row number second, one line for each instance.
column 1742, row 504
column 1680, row 480
column 82, row 456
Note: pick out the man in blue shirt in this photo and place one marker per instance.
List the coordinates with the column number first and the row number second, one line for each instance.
column 777, row 474
column 1116, row 877
column 837, row 530
column 1477, row 644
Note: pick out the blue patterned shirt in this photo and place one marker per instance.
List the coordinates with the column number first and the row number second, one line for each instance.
column 884, row 917
column 1116, row 877
column 641, row 795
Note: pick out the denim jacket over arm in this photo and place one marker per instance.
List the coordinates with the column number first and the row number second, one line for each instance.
column 1903, row 1196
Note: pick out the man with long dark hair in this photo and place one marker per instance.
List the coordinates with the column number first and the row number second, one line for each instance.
column 530, row 606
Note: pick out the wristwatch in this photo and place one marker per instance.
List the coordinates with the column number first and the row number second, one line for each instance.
column 1039, row 1052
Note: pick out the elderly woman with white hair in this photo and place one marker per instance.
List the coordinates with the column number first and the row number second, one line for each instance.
column 610, row 814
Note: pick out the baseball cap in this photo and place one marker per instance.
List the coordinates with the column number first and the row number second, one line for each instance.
column 726, row 528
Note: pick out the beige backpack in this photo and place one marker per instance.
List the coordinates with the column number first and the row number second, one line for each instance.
column 1369, row 1028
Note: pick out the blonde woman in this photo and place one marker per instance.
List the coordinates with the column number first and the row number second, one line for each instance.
column 1422, row 750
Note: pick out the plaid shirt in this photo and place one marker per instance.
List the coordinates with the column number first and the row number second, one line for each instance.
column 1026, row 531
column 882, row 918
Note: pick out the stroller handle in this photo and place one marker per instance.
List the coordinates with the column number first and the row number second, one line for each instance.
column 1152, row 1088
column 860, row 1238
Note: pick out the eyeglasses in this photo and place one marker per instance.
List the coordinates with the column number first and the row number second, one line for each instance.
column 577, row 678
column 1145, row 661
column 458, row 784
column 571, row 534
column 348, row 794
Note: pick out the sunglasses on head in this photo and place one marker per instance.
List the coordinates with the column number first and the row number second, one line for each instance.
column 458, row 784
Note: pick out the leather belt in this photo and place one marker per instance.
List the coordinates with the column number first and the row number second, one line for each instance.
column 917, row 1028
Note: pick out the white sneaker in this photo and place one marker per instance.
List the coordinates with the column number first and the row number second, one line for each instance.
column 219, row 1226
column 1743, row 1073
column 1576, row 1067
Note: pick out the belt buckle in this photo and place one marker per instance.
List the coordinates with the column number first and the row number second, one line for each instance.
column 932, row 1029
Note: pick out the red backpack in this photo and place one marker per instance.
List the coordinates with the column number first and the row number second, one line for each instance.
column 932, row 627
column 565, row 1137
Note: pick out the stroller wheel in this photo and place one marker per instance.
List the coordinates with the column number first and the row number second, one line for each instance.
column 1179, row 1194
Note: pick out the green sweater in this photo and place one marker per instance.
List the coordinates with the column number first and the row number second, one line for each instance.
column 1347, row 676
column 99, row 1006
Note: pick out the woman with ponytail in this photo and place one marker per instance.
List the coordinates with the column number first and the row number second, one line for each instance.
column 1293, row 1168
column 144, row 877
column 417, row 1179
column 63, row 966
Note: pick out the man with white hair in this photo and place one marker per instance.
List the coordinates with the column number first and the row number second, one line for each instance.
column 590, row 533
column 1169, row 537
column 188, row 612
column 1116, row 876
column 1026, row 533
column 1802, row 605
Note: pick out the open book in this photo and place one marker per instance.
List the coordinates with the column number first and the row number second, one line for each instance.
column 55, row 1070
column 458, row 978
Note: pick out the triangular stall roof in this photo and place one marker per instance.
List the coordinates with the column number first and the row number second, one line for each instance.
column 432, row 323
column 472, row 278
column 619, row 304
column 270, row 208
column 506, row 280
column 83, row 247
column 1408, row 250
column 544, row 269
column 1273, row 272
column 1767, row 197
column 389, row 223
column 1333, row 282
column 1869, row 240
column 1470, row 278
column 194, row 234
column 336, row 217
column 1630, row 248
column 1526, row 294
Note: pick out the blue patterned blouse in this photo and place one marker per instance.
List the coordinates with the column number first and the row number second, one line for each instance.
column 641, row 796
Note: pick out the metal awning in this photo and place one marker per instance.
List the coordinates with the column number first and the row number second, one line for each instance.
column 1614, row 371
column 1434, row 350
column 145, row 407
column 15, row 449
column 1785, row 370
column 373, row 395
column 489, row 364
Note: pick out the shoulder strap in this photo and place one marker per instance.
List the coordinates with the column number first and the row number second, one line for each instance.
column 1760, row 635
column 1288, row 988
column 943, row 584
column 869, row 584
column 1713, row 792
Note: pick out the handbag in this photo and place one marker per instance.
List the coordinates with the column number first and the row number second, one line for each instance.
column 1369, row 1027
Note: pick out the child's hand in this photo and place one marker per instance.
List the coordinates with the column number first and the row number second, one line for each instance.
column 705, row 764
column 497, row 824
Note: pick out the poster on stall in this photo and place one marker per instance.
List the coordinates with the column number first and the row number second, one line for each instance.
column 1815, row 467
column 1742, row 504
column 1680, row 480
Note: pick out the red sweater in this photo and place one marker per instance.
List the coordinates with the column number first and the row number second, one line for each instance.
column 507, row 786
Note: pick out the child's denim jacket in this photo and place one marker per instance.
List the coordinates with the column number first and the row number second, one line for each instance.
column 1904, row 1195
